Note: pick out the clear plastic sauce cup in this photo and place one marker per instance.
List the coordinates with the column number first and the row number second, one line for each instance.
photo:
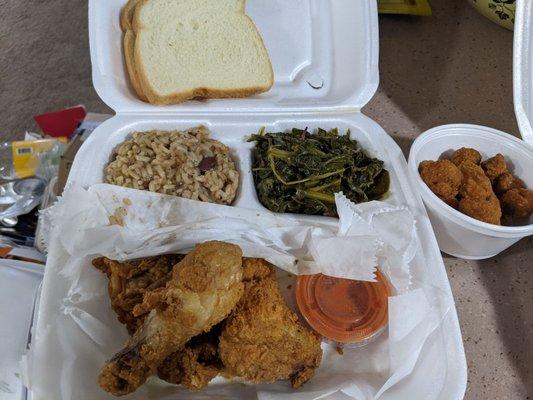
column 343, row 310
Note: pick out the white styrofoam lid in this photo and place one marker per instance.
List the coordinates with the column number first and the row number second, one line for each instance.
column 523, row 68
column 324, row 54
column 19, row 282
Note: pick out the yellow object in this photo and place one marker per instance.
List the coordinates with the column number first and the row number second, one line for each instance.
column 411, row 7
column 26, row 155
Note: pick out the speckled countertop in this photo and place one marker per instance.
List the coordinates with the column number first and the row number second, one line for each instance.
column 452, row 67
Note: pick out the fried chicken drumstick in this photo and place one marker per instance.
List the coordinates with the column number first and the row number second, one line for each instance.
column 262, row 340
column 204, row 288
column 194, row 365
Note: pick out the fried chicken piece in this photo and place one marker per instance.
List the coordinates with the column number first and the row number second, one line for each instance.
column 262, row 340
column 487, row 211
column 204, row 288
column 494, row 166
column 465, row 154
column 518, row 203
column 256, row 269
column 477, row 197
column 129, row 280
column 196, row 365
column 443, row 178
column 475, row 183
column 507, row 181
column 198, row 362
column 454, row 203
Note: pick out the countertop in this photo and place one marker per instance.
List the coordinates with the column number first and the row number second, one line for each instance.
column 452, row 67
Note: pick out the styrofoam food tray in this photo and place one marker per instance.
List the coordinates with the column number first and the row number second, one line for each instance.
column 441, row 371
column 523, row 68
column 309, row 41
column 457, row 233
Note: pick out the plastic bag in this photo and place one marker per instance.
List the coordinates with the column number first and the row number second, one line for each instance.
column 25, row 158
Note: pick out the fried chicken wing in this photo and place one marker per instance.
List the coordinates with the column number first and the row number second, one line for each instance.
column 204, row 288
column 477, row 197
column 465, row 154
column 443, row 178
column 494, row 166
column 262, row 340
column 518, row 203
column 129, row 280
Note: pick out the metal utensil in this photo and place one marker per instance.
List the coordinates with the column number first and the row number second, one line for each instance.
column 9, row 222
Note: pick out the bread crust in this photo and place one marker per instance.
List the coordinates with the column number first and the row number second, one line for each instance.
column 243, row 6
column 129, row 46
column 126, row 15
column 199, row 92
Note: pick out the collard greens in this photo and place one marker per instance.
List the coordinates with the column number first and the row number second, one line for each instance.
column 300, row 172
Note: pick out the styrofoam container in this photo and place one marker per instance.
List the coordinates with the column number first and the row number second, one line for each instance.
column 523, row 68
column 19, row 291
column 307, row 43
column 327, row 44
column 441, row 370
column 457, row 233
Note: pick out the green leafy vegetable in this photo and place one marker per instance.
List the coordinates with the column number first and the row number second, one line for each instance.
column 300, row 172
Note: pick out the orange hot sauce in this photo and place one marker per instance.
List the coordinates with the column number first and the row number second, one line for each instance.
column 344, row 310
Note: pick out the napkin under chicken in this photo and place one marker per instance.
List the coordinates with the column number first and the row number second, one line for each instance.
column 204, row 288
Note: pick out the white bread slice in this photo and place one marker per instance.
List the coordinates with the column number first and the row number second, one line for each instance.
column 157, row 11
column 198, row 48
column 126, row 15
column 129, row 46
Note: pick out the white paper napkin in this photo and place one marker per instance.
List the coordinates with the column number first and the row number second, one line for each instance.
column 364, row 237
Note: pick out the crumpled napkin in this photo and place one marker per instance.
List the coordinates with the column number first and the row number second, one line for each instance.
column 368, row 235
column 125, row 223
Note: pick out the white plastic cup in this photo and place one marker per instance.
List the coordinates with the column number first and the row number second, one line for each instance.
column 458, row 234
